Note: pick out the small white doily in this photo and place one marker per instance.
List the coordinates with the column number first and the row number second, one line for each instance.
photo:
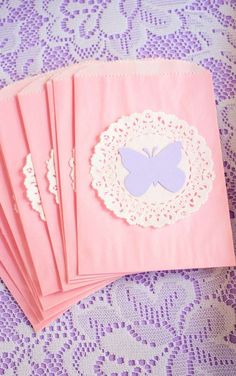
column 32, row 191
column 51, row 176
column 72, row 169
column 158, row 206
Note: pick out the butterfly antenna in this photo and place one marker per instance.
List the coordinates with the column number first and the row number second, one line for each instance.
column 147, row 152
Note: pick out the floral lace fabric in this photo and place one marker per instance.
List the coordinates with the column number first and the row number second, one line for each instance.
column 161, row 323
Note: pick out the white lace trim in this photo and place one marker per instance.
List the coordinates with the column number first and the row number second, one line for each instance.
column 72, row 169
column 32, row 191
column 51, row 176
column 106, row 167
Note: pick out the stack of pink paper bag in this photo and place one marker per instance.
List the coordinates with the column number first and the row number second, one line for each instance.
column 108, row 168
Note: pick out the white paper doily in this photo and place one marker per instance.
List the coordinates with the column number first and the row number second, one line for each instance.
column 72, row 169
column 150, row 130
column 51, row 176
column 30, row 182
column 32, row 191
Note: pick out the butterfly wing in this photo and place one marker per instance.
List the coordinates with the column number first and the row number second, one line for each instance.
column 133, row 160
column 138, row 180
column 169, row 175
column 137, row 184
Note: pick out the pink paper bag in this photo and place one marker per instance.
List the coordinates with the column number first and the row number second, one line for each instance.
column 60, row 93
column 149, row 173
column 14, row 150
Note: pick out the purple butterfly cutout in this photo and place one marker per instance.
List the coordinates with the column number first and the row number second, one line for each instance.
column 145, row 170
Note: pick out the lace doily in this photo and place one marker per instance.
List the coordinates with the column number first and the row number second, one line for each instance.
column 72, row 169
column 32, row 191
column 158, row 206
column 51, row 176
column 30, row 183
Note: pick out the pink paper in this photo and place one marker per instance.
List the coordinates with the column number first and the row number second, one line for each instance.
column 60, row 90
column 15, row 166
column 202, row 239
column 20, row 292
column 38, row 133
column 15, row 150
column 125, row 215
column 51, row 303
column 43, row 316
column 63, row 145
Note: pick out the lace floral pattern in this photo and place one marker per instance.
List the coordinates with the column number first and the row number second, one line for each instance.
column 32, row 191
column 105, row 163
column 175, row 323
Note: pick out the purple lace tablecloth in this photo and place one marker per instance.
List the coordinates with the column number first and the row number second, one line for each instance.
column 162, row 323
